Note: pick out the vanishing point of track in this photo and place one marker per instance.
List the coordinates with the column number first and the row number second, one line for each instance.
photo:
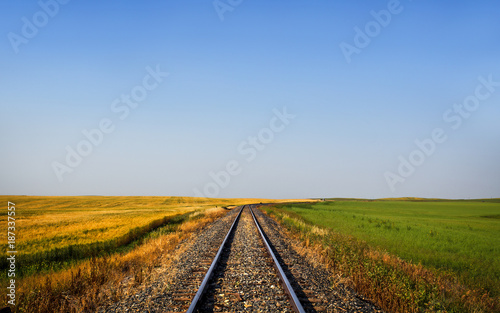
column 244, row 278
column 199, row 302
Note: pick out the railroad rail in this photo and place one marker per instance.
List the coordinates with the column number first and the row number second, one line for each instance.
column 293, row 299
column 207, row 277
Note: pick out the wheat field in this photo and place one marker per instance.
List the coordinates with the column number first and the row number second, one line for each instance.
column 52, row 231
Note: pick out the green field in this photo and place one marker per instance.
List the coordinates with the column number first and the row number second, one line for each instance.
column 461, row 238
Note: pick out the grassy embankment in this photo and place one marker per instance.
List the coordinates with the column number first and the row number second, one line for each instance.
column 73, row 250
column 409, row 256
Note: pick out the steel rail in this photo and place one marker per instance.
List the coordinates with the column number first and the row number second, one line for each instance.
column 297, row 306
column 204, row 283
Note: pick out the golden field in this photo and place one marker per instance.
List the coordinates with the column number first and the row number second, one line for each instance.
column 47, row 223
column 74, row 251
column 66, row 228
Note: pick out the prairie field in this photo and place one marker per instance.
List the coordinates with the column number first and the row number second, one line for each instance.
column 52, row 232
column 455, row 242
column 74, row 253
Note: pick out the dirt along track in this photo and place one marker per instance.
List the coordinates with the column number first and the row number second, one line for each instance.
column 244, row 280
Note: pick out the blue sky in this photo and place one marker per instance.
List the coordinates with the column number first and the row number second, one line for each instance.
column 353, row 121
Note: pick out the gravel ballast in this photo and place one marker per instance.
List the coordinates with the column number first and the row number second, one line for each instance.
column 245, row 279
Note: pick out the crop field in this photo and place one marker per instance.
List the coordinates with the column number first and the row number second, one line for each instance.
column 456, row 239
column 71, row 249
column 406, row 255
column 53, row 231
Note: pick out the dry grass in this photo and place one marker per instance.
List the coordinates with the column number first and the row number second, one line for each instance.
column 56, row 231
column 56, row 222
column 76, row 252
column 92, row 283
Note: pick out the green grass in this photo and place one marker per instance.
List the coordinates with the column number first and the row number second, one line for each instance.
column 457, row 238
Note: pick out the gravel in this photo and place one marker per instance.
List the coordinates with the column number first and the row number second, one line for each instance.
column 245, row 279
column 311, row 281
column 173, row 287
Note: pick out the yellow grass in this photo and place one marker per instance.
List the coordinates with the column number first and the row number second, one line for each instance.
column 91, row 283
column 50, row 229
column 56, row 222
column 52, row 232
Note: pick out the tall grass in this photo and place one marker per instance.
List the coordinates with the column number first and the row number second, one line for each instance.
column 376, row 260
column 53, row 232
column 99, row 280
column 57, row 258
column 70, row 247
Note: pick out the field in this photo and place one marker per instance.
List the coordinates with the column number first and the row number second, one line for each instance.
column 53, row 231
column 71, row 248
column 407, row 255
column 458, row 241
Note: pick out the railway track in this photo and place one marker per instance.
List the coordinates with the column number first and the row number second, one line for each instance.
column 245, row 274
column 244, row 277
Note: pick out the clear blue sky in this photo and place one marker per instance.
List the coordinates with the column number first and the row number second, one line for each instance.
column 229, row 69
